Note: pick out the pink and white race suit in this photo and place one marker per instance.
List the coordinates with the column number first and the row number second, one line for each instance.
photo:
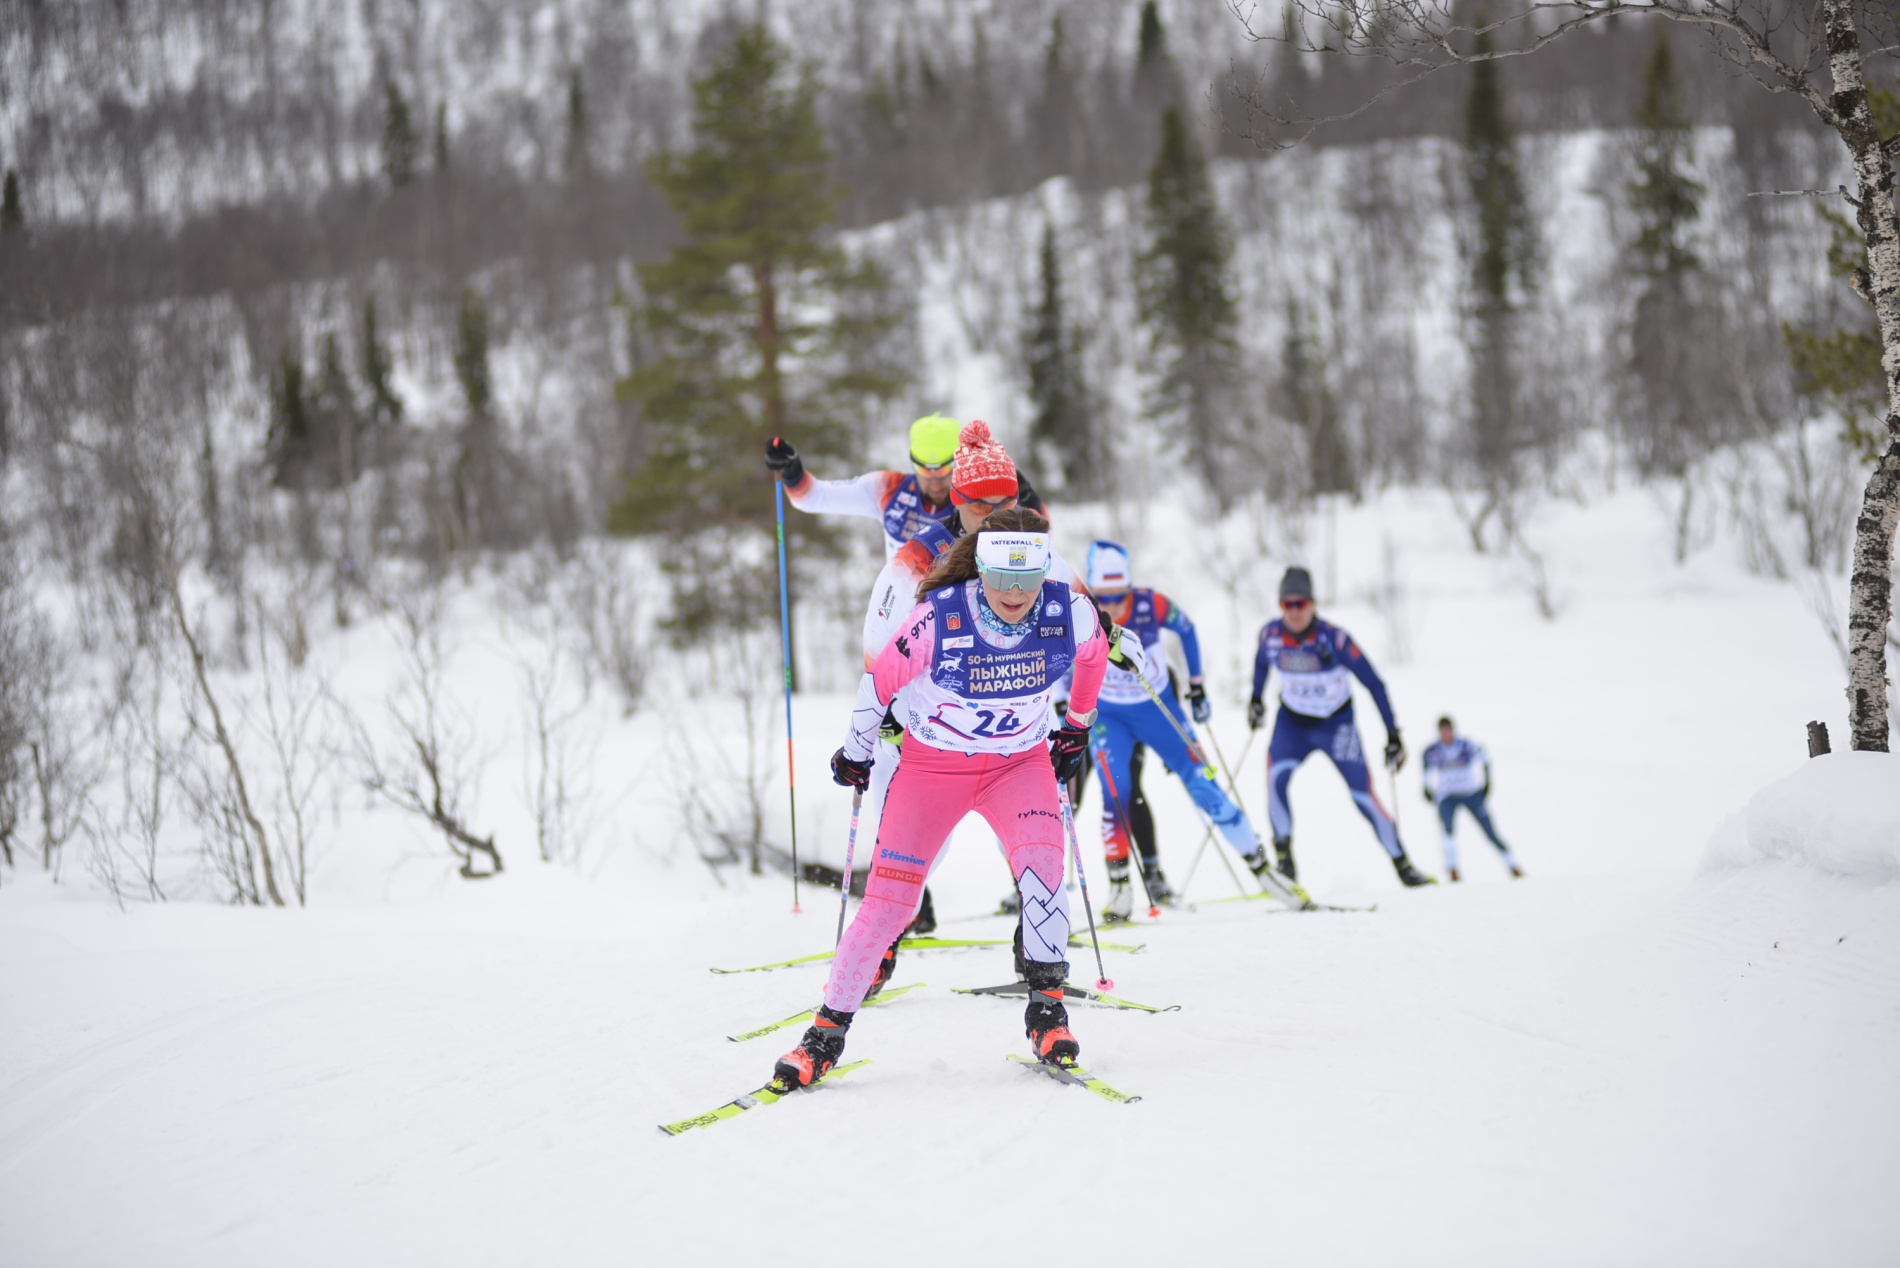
column 978, row 716
column 892, row 599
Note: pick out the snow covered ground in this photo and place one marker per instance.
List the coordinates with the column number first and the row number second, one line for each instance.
column 1674, row 1043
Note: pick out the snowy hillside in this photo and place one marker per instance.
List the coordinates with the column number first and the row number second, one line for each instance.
column 1621, row 1058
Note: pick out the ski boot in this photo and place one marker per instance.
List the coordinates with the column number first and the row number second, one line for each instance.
column 816, row 1053
column 1451, row 874
column 1409, row 875
column 1046, row 1021
column 1160, row 893
column 925, row 921
column 1283, row 854
column 1121, row 896
column 885, row 968
column 1021, row 964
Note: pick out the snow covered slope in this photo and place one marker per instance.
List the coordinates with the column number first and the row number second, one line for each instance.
column 1654, row 1050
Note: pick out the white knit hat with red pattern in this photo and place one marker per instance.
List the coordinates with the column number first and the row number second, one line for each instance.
column 983, row 468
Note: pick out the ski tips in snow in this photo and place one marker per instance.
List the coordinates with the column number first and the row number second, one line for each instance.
column 884, row 997
column 1077, row 1075
column 770, row 1094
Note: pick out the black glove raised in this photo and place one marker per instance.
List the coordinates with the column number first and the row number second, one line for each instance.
column 1067, row 747
column 1394, row 751
column 784, row 461
column 848, row 772
column 1197, row 702
column 1256, row 714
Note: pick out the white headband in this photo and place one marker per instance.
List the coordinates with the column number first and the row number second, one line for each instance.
column 1013, row 552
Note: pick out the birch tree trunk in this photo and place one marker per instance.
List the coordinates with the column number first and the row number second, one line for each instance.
column 1870, row 590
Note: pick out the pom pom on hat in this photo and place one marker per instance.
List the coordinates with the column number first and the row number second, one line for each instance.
column 983, row 468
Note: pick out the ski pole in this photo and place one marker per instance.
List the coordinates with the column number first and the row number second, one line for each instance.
column 785, row 643
column 1102, row 982
column 850, row 854
column 1128, row 830
column 1193, row 746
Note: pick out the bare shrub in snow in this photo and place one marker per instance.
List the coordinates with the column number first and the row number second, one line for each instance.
column 557, row 753
column 429, row 765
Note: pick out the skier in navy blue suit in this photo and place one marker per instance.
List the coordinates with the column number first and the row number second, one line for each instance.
column 1314, row 658
column 1128, row 718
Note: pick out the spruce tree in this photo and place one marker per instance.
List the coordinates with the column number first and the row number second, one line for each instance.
column 1674, row 414
column 471, row 352
column 441, row 138
column 399, row 138
column 385, row 407
column 335, row 417
column 574, row 153
column 1187, row 304
column 1503, row 255
column 1063, row 423
column 1151, row 43
column 12, row 215
column 754, row 291
column 1310, row 404
column 291, row 435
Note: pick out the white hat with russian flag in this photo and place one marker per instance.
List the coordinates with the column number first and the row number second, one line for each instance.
column 1108, row 566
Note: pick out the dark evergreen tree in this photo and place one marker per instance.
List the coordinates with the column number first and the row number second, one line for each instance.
column 1309, row 403
column 471, row 352
column 291, row 438
column 1063, row 426
column 384, row 406
column 1679, row 400
column 441, row 138
column 399, row 138
column 12, row 215
column 1057, row 121
column 1503, row 254
column 755, row 291
column 1188, row 306
column 574, row 154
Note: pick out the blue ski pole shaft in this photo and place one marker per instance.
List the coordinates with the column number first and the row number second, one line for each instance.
column 850, row 854
column 785, row 642
column 1102, row 982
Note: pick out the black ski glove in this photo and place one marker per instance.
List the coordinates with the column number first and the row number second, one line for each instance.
column 784, row 461
column 848, row 772
column 1197, row 702
column 1394, row 751
column 1067, row 747
column 1256, row 714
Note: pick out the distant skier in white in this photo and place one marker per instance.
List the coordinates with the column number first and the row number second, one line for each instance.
column 1458, row 776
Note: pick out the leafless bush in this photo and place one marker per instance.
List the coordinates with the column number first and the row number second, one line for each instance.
column 556, row 754
column 429, row 766
column 722, row 797
column 600, row 602
column 124, row 854
column 296, row 727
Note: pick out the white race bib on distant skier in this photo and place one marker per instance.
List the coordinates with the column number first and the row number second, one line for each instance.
column 1316, row 693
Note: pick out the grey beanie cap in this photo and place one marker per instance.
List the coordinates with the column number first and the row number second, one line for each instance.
column 1297, row 584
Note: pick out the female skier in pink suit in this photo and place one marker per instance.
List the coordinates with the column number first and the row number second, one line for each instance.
column 982, row 652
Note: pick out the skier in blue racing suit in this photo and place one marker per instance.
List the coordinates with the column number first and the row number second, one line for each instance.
column 1128, row 718
column 1314, row 658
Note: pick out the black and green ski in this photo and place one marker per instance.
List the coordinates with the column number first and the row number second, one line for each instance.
column 1077, row 1075
column 882, row 997
column 930, row 944
column 1069, row 991
column 770, row 1094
